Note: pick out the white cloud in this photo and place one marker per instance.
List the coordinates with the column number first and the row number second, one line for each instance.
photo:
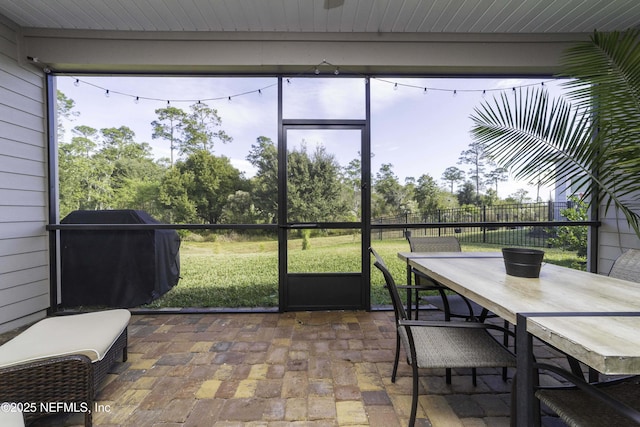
column 244, row 166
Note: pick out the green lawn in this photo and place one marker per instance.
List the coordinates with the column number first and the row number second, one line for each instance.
column 245, row 273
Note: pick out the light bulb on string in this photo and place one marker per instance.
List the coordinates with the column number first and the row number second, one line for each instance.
column 336, row 71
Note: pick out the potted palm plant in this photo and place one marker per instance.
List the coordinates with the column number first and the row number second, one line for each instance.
column 591, row 138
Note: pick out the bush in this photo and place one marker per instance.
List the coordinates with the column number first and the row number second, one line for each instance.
column 573, row 238
column 306, row 241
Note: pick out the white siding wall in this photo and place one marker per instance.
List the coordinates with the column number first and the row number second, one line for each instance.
column 24, row 265
column 615, row 236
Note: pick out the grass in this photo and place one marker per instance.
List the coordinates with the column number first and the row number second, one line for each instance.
column 245, row 273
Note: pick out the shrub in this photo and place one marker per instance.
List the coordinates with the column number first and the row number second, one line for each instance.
column 573, row 238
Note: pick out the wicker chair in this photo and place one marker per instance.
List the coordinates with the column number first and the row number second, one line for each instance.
column 441, row 344
column 627, row 266
column 609, row 403
column 453, row 305
column 614, row 403
column 450, row 303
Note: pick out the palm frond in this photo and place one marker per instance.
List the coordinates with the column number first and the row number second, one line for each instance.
column 593, row 142
column 606, row 67
column 529, row 135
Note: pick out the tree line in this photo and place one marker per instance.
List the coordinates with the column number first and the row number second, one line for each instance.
column 110, row 169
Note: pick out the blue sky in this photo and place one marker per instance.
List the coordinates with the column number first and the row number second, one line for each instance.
column 416, row 132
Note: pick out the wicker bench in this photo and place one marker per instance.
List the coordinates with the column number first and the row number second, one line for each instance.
column 62, row 359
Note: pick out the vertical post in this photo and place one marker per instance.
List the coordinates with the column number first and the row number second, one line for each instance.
column 484, row 219
column 365, row 197
column 524, row 398
column 592, row 240
column 409, row 292
column 282, row 206
column 52, row 146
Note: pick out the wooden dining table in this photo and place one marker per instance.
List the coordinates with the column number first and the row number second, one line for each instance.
column 591, row 317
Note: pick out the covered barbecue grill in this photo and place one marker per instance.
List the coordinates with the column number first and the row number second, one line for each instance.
column 117, row 268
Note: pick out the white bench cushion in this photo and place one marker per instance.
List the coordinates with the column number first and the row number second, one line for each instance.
column 9, row 418
column 91, row 334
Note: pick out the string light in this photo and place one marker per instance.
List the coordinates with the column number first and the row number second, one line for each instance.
column 455, row 92
column 316, row 71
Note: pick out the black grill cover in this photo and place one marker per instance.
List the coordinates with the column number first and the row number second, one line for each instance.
column 117, row 268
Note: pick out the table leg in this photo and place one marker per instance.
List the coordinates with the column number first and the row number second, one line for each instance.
column 525, row 381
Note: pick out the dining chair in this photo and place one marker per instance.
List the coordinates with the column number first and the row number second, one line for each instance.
column 627, row 266
column 453, row 305
column 599, row 403
column 441, row 344
column 605, row 403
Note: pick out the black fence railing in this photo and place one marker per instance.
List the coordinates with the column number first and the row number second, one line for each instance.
column 517, row 212
column 529, row 224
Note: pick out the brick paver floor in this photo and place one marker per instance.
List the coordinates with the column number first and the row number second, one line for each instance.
column 287, row 369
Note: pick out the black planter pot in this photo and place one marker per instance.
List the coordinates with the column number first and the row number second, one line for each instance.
column 521, row 262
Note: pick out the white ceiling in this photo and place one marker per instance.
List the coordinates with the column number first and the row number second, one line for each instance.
column 347, row 16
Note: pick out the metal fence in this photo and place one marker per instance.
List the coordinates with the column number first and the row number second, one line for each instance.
column 460, row 224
